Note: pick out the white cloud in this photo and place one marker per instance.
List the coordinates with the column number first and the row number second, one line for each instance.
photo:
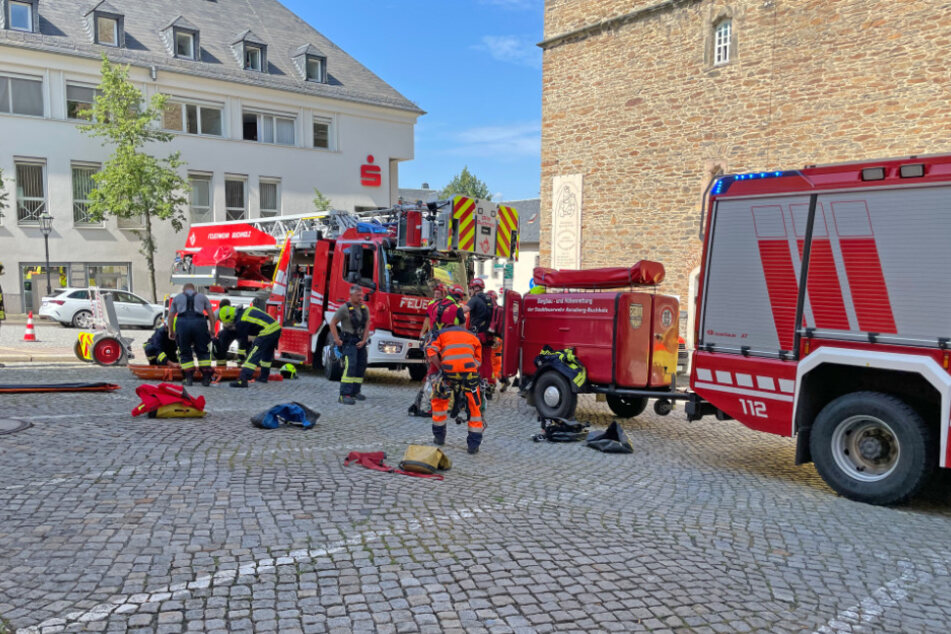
column 504, row 141
column 511, row 49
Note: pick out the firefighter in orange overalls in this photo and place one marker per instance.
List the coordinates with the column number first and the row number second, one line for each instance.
column 496, row 343
column 457, row 353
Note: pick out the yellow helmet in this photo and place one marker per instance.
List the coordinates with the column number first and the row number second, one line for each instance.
column 226, row 314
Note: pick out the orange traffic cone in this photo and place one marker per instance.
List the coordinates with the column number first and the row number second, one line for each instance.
column 30, row 334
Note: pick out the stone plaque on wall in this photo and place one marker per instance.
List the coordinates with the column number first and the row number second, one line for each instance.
column 566, row 221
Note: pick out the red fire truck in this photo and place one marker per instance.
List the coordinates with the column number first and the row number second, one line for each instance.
column 821, row 313
column 302, row 267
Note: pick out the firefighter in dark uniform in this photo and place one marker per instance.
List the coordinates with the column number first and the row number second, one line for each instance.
column 480, row 316
column 223, row 340
column 253, row 322
column 160, row 349
column 353, row 318
column 193, row 321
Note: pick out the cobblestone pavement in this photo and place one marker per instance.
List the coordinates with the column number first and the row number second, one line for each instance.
column 109, row 523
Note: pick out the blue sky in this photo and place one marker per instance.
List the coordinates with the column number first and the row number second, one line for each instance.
column 472, row 65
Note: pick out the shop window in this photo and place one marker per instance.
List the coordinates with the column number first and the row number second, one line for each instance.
column 20, row 95
column 270, row 195
column 236, row 202
column 115, row 277
column 201, row 209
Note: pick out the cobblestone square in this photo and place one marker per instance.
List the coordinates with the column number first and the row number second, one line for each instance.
column 109, row 523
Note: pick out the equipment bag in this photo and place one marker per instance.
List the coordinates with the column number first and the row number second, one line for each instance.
column 155, row 397
column 374, row 460
column 422, row 405
column 561, row 430
column 424, row 459
column 612, row 440
column 497, row 320
column 565, row 362
column 288, row 413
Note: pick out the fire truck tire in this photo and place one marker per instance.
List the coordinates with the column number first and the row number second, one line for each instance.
column 873, row 447
column 554, row 397
column 418, row 371
column 626, row 406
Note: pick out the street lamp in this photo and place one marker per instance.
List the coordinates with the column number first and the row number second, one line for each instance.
column 46, row 227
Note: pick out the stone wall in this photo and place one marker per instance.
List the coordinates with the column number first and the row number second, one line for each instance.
column 640, row 110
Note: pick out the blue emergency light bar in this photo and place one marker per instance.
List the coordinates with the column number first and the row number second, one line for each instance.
column 724, row 183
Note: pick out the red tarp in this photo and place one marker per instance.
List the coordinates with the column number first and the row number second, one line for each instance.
column 644, row 273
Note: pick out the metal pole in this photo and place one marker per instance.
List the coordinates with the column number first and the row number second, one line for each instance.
column 49, row 288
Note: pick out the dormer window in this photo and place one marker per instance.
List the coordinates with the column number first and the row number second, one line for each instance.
column 107, row 30
column 181, row 37
column 184, row 44
column 315, row 69
column 311, row 63
column 21, row 15
column 252, row 58
column 105, row 22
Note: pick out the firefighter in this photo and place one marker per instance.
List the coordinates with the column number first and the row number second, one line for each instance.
column 160, row 349
column 480, row 316
column 223, row 340
column 353, row 319
column 253, row 322
column 457, row 353
column 497, row 350
column 192, row 331
column 443, row 311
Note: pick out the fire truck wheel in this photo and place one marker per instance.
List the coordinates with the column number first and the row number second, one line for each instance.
column 418, row 371
column 626, row 406
column 873, row 447
column 554, row 397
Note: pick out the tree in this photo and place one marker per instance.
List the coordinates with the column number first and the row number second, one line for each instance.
column 466, row 184
column 133, row 183
column 3, row 195
column 321, row 202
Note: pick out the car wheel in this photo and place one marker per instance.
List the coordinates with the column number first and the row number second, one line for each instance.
column 418, row 371
column 83, row 319
column 554, row 397
column 873, row 447
column 626, row 406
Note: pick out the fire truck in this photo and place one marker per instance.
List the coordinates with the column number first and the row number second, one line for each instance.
column 300, row 269
column 821, row 312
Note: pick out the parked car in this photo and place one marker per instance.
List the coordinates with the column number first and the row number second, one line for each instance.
column 73, row 307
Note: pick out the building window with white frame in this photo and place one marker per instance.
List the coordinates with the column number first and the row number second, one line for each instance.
column 252, row 58
column 107, row 30
column 20, row 16
column 267, row 128
column 200, row 198
column 322, row 126
column 20, row 95
column 83, row 186
column 30, row 191
column 722, row 35
column 316, row 69
column 79, row 99
column 236, row 202
column 270, row 194
column 189, row 118
column 185, row 44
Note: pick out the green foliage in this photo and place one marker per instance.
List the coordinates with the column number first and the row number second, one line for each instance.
column 133, row 183
column 321, row 202
column 3, row 195
column 465, row 183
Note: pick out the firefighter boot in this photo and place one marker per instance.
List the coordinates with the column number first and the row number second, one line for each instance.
column 206, row 376
column 439, row 435
column 264, row 376
column 346, row 399
column 189, row 376
column 242, row 379
column 473, row 441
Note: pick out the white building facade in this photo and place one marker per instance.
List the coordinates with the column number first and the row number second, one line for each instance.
column 261, row 117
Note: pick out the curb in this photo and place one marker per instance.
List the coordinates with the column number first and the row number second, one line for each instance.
column 29, row 358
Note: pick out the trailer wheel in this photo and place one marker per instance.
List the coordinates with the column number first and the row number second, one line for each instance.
column 107, row 351
column 554, row 397
column 418, row 371
column 626, row 406
column 873, row 447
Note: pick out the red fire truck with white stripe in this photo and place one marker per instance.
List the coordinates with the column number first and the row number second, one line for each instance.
column 822, row 312
column 301, row 268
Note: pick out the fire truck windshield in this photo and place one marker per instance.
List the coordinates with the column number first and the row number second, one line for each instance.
column 407, row 273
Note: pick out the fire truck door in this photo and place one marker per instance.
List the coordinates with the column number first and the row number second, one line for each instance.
column 318, row 291
column 512, row 333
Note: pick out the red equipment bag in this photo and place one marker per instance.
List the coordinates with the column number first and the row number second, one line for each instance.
column 644, row 273
column 374, row 460
column 156, row 396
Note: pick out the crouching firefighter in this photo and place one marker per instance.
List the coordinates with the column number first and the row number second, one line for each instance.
column 251, row 322
column 457, row 352
column 192, row 331
column 160, row 348
column 353, row 318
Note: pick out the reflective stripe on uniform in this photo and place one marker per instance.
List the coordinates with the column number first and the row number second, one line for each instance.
column 453, row 346
column 188, row 365
column 204, row 363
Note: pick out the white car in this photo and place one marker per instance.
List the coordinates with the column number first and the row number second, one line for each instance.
column 72, row 307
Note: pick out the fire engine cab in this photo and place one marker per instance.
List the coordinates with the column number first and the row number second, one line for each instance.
column 301, row 268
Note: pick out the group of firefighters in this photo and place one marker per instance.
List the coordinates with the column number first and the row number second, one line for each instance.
column 457, row 337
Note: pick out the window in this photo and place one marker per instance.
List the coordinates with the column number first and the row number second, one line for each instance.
column 31, row 192
column 192, row 118
column 265, row 128
column 315, row 69
column 83, row 185
column 21, row 96
column 184, row 44
column 270, row 192
column 252, row 58
column 79, row 98
column 723, row 31
column 322, row 133
column 109, row 276
column 107, row 30
column 21, row 16
column 79, row 295
column 201, row 210
column 235, row 201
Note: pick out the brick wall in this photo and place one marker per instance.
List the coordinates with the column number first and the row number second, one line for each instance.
column 639, row 109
